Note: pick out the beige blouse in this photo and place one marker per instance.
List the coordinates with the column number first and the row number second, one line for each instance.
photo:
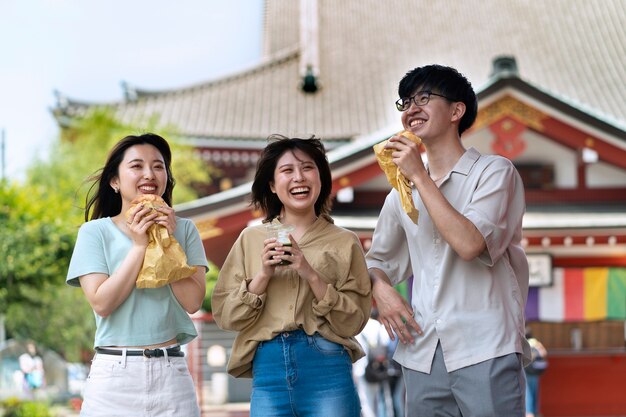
column 289, row 303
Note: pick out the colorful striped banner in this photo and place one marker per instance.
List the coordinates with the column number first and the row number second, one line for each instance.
column 594, row 293
column 616, row 308
column 532, row 304
column 573, row 294
column 580, row 294
column 552, row 302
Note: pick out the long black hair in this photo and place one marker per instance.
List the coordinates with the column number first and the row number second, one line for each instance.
column 262, row 196
column 101, row 200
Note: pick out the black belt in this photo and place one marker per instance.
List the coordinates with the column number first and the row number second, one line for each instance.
column 147, row 353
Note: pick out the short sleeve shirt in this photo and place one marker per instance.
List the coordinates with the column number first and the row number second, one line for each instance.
column 475, row 309
column 149, row 315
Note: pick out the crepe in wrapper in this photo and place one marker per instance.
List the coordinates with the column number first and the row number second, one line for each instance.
column 395, row 176
column 165, row 261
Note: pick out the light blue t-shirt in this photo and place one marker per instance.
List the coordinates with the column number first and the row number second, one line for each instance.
column 149, row 315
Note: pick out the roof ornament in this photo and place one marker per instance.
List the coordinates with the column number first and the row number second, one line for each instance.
column 130, row 92
column 309, row 46
column 62, row 101
column 504, row 66
column 309, row 81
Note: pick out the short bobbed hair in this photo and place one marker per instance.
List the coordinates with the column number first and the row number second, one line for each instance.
column 262, row 196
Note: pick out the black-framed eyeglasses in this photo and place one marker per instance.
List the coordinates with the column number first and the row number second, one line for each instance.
column 421, row 98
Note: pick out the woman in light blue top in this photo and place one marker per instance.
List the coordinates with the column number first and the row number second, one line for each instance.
column 139, row 368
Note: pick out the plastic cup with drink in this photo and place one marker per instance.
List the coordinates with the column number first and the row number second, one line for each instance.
column 281, row 233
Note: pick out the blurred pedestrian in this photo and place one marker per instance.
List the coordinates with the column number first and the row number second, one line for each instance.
column 396, row 382
column 373, row 372
column 31, row 366
column 534, row 370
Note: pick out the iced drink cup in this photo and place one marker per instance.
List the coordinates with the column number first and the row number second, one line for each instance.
column 281, row 233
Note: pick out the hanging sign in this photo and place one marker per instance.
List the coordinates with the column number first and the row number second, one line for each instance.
column 539, row 269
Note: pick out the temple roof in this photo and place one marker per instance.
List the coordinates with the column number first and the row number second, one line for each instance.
column 573, row 50
column 580, row 214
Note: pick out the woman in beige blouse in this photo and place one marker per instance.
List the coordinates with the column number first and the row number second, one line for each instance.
column 296, row 322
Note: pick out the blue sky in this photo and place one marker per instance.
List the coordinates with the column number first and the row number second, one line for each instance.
column 85, row 49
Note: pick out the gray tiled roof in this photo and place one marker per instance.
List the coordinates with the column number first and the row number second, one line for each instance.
column 572, row 49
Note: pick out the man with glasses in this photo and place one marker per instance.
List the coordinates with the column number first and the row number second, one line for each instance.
column 462, row 337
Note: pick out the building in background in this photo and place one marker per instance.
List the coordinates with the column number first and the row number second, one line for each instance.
column 551, row 81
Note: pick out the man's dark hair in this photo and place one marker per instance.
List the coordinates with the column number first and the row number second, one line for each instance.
column 442, row 80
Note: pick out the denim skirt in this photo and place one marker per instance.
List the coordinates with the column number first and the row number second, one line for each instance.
column 299, row 375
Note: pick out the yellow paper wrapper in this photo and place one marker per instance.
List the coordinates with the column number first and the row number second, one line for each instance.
column 395, row 176
column 165, row 261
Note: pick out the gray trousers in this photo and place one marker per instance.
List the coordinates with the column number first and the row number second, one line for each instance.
column 493, row 388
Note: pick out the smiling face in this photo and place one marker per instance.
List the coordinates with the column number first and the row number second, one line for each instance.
column 296, row 182
column 434, row 119
column 142, row 171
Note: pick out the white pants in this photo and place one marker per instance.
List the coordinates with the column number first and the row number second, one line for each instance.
column 134, row 386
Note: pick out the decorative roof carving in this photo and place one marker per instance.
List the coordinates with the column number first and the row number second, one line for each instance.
column 511, row 107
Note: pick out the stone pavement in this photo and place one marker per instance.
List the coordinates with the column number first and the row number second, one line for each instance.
column 226, row 410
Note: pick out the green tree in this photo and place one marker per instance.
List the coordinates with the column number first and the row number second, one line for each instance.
column 39, row 220
column 34, row 240
column 211, row 280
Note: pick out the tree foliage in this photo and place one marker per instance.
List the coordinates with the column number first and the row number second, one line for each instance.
column 211, row 280
column 39, row 220
column 34, row 240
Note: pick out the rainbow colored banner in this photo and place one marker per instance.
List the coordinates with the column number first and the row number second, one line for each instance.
column 580, row 294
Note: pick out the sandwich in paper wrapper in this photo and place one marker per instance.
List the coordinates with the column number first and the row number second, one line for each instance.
column 165, row 261
column 395, row 176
